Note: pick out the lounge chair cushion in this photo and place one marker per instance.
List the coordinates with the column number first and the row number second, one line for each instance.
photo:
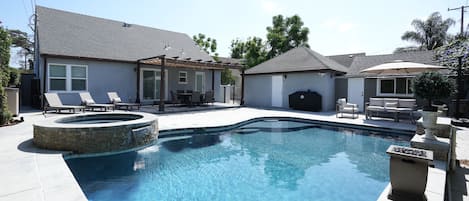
column 116, row 100
column 88, row 101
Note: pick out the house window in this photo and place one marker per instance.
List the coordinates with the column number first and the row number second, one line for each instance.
column 57, row 77
column 78, row 78
column 63, row 77
column 395, row 86
column 182, row 77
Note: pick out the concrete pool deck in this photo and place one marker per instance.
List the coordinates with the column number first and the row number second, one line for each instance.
column 29, row 173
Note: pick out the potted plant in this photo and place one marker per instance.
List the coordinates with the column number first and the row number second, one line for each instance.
column 431, row 86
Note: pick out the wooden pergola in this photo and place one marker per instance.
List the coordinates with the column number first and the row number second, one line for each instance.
column 176, row 62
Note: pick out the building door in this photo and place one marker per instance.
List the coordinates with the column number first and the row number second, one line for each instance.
column 200, row 82
column 356, row 87
column 150, row 81
column 277, row 90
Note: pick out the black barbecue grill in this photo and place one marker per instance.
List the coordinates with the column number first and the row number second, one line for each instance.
column 305, row 100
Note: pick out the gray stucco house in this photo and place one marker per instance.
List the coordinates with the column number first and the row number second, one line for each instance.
column 338, row 76
column 359, row 87
column 300, row 69
column 76, row 52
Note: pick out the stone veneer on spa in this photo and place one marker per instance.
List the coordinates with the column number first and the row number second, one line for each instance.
column 96, row 133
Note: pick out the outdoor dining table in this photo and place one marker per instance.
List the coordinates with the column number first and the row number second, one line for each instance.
column 185, row 97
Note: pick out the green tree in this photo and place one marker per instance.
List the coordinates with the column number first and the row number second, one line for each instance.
column 227, row 77
column 449, row 54
column 5, row 43
column 431, row 33
column 238, row 49
column 432, row 86
column 253, row 51
column 256, row 52
column 20, row 39
column 208, row 44
column 285, row 34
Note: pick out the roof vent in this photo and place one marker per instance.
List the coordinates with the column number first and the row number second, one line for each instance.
column 126, row 24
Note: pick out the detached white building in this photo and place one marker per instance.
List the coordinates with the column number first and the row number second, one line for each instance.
column 300, row 69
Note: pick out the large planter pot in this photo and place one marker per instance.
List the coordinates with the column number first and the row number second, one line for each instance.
column 429, row 123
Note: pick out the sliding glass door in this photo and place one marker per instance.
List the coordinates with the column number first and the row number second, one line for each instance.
column 150, row 84
column 200, row 82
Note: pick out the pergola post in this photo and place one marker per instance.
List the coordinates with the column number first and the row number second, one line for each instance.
column 162, row 85
column 242, row 86
column 44, row 87
column 213, row 80
column 137, row 99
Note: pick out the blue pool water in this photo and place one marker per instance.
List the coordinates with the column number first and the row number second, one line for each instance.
column 264, row 160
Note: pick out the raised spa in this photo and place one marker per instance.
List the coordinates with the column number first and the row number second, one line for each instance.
column 96, row 133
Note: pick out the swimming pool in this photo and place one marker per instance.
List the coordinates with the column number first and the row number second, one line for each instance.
column 262, row 160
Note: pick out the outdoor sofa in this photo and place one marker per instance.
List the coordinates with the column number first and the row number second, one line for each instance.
column 394, row 106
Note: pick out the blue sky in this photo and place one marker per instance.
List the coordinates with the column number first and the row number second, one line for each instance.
column 336, row 27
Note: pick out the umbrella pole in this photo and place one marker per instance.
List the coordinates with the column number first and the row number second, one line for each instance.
column 460, row 88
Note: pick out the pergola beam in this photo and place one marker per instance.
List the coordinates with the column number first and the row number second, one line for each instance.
column 188, row 63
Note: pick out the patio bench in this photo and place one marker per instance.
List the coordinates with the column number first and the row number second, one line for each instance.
column 395, row 106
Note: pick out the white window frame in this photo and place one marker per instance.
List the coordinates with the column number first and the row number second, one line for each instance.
column 185, row 77
column 68, row 77
column 49, row 78
column 378, row 88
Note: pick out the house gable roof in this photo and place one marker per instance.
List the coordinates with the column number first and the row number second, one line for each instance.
column 345, row 59
column 297, row 60
column 364, row 62
column 230, row 60
column 71, row 34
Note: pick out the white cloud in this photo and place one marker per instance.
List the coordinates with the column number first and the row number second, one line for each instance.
column 271, row 7
column 338, row 25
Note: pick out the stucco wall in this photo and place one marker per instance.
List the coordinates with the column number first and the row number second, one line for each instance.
column 322, row 83
column 370, row 89
column 341, row 88
column 103, row 77
column 258, row 90
column 121, row 77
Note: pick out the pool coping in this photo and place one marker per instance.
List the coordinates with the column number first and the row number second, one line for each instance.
column 164, row 133
column 49, row 178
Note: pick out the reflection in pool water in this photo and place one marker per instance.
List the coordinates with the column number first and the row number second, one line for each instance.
column 266, row 160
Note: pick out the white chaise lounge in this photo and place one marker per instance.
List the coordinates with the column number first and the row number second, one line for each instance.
column 54, row 103
column 89, row 102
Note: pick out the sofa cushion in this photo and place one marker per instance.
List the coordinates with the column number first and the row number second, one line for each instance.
column 390, row 104
column 375, row 108
column 376, row 102
column 407, row 103
column 341, row 101
column 390, row 100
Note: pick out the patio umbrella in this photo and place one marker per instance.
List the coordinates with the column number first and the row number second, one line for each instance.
column 401, row 67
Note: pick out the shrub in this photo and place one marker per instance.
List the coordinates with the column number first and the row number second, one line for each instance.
column 14, row 77
column 432, row 86
column 5, row 117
